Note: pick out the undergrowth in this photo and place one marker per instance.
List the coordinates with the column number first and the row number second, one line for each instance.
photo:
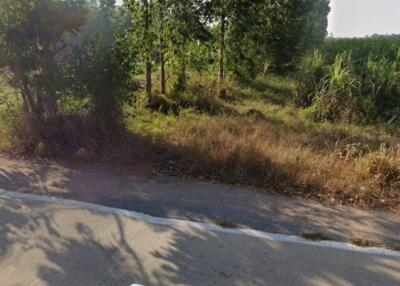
column 269, row 143
column 256, row 136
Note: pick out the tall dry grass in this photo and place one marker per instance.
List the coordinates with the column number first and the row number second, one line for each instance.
column 271, row 146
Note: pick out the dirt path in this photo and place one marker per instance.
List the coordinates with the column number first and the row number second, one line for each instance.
column 185, row 199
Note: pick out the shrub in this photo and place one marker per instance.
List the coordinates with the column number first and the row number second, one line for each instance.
column 161, row 103
column 361, row 81
column 381, row 85
column 201, row 95
column 14, row 126
column 335, row 97
column 310, row 73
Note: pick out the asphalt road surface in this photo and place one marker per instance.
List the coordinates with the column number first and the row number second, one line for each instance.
column 189, row 200
column 55, row 242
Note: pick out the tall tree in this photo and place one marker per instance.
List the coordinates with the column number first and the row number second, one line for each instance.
column 107, row 6
column 162, row 10
column 221, row 10
column 227, row 14
column 33, row 39
column 143, row 20
column 292, row 27
column 100, row 65
column 184, row 25
column 244, row 52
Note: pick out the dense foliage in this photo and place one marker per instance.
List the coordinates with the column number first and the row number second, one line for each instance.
column 235, row 37
column 33, row 41
column 89, row 51
column 354, row 80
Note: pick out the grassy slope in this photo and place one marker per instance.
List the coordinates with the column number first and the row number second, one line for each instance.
column 263, row 140
column 266, row 142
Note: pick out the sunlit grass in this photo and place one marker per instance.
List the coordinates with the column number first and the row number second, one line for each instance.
column 266, row 141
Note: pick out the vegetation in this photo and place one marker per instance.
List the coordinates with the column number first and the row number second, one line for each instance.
column 315, row 236
column 236, row 91
column 262, row 139
column 352, row 80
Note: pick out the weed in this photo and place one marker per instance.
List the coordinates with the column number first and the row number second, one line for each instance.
column 335, row 99
column 310, row 73
column 316, row 236
column 227, row 224
column 364, row 242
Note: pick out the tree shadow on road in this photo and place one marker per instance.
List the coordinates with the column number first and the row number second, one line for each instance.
column 34, row 242
column 185, row 199
column 82, row 247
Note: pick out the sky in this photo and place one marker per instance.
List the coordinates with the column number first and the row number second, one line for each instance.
column 358, row 18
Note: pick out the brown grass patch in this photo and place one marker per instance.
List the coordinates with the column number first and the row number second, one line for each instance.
column 272, row 147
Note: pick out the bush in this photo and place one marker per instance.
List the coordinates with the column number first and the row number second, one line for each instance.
column 310, row 73
column 13, row 124
column 352, row 80
column 335, row 96
column 201, row 95
column 381, row 85
column 161, row 103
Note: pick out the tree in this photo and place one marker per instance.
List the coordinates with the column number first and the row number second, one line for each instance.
column 220, row 11
column 229, row 16
column 244, row 46
column 143, row 21
column 292, row 27
column 33, row 41
column 107, row 6
column 185, row 25
column 161, row 22
column 102, row 61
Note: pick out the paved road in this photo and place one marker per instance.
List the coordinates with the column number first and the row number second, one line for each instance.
column 185, row 199
column 53, row 243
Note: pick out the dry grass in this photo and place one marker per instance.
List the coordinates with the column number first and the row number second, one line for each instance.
column 365, row 242
column 268, row 143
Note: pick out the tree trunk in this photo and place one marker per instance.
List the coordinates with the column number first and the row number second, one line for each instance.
column 162, row 49
column 25, row 105
column 148, row 77
column 221, row 77
column 49, row 67
column 50, row 105
column 148, row 49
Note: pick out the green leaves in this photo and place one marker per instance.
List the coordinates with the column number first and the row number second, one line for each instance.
column 34, row 37
column 294, row 27
column 241, row 35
